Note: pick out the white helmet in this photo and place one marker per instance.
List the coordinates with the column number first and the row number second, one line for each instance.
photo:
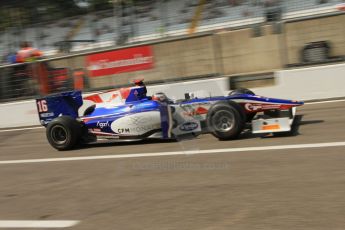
column 160, row 97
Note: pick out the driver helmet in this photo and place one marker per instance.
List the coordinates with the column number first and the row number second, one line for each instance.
column 160, row 97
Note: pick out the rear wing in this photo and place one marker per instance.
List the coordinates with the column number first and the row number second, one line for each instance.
column 66, row 103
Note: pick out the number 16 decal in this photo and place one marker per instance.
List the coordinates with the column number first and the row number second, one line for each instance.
column 42, row 106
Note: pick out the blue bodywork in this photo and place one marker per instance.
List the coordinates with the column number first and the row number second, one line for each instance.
column 107, row 115
column 66, row 103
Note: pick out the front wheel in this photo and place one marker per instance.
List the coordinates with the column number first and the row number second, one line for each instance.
column 241, row 91
column 225, row 122
column 63, row 133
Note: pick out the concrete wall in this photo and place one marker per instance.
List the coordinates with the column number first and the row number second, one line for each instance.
column 331, row 29
column 313, row 83
column 243, row 53
column 211, row 87
column 173, row 59
column 231, row 52
column 18, row 114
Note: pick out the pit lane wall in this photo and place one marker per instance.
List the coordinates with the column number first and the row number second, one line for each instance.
column 313, row 83
column 18, row 114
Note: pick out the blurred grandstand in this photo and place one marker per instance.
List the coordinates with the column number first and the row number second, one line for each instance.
column 71, row 26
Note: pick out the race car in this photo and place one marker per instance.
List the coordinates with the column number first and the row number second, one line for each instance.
column 128, row 114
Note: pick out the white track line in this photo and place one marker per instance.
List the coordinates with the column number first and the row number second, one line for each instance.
column 38, row 223
column 209, row 151
column 324, row 102
column 20, row 129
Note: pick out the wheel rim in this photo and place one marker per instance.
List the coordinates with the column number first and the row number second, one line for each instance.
column 59, row 134
column 223, row 121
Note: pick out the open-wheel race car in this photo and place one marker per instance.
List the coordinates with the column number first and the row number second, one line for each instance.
column 128, row 114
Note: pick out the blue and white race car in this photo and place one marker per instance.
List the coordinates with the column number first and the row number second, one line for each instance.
column 128, row 114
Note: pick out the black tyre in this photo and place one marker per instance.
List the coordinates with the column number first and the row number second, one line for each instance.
column 226, row 120
column 64, row 133
column 250, row 116
column 241, row 91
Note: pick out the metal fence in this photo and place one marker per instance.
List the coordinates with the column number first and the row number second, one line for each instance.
column 31, row 80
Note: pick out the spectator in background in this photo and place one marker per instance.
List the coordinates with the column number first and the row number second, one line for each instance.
column 27, row 53
column 24, row 78
column 11, row 58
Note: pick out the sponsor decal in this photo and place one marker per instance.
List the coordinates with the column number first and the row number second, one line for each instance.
column 123, row 130
column 139, row 129
column 42, row 106
column 201, row 110
column 270, row 127
column 137, row 124
column 120, row 61
column 195, row 109
column 251, row 107
column 140, row 120
column 103, row 124
column 189, row 110
column 45, row 122
column 189, row 126
column 95, row 130
column 43, row 115
column 259, row 107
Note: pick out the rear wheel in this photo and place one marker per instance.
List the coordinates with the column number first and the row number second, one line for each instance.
column 224, row 120
column 64, row 133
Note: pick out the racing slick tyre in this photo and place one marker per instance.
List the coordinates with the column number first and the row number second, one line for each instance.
column 250, row 116
column 64, row 133
column 226, row 120
column 241, row 91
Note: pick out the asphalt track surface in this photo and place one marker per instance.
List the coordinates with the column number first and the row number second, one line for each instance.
column 301, row 188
